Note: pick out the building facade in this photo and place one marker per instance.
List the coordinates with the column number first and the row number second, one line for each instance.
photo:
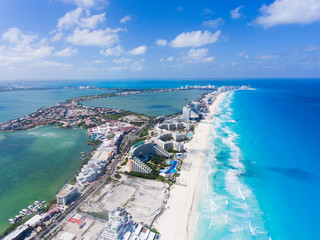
column 67, row 194
column 136, row 165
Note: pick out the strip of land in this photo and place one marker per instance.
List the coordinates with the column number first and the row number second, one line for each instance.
column 179, row 218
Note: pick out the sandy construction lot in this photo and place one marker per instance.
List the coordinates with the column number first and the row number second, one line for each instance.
column 142, row 198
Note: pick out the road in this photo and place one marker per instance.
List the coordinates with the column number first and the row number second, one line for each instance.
column 126, row 144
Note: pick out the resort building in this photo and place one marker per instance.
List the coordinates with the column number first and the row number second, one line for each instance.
column 146, row 150
column 67, row 194
column 179, row 136
column 118, row 224
column 189, row 113
column 142, row 153
column 186, row 113
column 177, row 146
column 91, row 171
column 136, row 165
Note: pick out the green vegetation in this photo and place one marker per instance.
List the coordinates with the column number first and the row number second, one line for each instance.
column 116, row 116
column 95, row 142
column 49, row 205
column 117, row 175
column 125, row 162
column 154, row 230
column 172, row 151
column 157, row 162
column 137, row 123
column 157, row 159
column 138, row 140
column 144, row 133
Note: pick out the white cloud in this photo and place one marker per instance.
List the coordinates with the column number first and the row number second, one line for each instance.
column 128, row 64
column 170, row 59
column 235, row 13
column 161, row 42
column 289, row 12
column 85, row 3
column 267, row 57
column 99, row 61
column 57, row 36
column 15, row 36
column 113, row 51
column 311, row 48
column 118, row 68
column 137, row 66
column 215, row 23
column 67, row 52
column 70, row 19
column 197, row 56
column 122, row 60
column 80, row 18
column 161, row 59
column 22, row 48
column 139, row 50
column 126, row 19
column 241, row 54
column 93, row 21
column 53, row 64
column 195, row 39
column 101, row 38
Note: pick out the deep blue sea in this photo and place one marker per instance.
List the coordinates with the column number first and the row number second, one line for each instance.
column 262, row 171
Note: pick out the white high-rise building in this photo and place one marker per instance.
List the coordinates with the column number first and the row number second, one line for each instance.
column 118, row 224
column 186, row 113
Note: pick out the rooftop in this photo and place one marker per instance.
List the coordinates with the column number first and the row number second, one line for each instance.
column 66, row 190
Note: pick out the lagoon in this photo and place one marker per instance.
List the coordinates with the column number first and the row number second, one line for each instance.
column 150, row 103
column 35, row 164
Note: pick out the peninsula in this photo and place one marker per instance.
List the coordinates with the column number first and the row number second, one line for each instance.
column 147, row 172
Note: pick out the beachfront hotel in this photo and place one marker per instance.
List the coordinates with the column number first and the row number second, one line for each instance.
column 136, row 165
column 142, row 153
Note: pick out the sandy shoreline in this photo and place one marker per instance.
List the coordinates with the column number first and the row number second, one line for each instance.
column 179, row 218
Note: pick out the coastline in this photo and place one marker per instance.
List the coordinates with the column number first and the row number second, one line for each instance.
column 179, row 217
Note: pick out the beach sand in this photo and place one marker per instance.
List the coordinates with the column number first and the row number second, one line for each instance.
column 178, row 221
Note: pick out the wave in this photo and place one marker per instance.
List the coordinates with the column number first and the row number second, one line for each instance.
column 228, row 208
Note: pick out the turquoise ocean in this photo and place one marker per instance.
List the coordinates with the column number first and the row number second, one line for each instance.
column 262, row 170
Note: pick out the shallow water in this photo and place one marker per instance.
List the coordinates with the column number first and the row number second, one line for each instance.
column 262, row 172
column 149, row 103
column 35, row 164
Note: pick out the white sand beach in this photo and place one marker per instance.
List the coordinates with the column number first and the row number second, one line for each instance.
column 178, row 220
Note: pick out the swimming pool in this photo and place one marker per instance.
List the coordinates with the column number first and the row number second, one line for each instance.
column 172, row 167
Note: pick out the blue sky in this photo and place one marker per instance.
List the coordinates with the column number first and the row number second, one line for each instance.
column 99, row 39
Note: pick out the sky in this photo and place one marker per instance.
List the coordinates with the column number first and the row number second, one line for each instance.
column 113, row 39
